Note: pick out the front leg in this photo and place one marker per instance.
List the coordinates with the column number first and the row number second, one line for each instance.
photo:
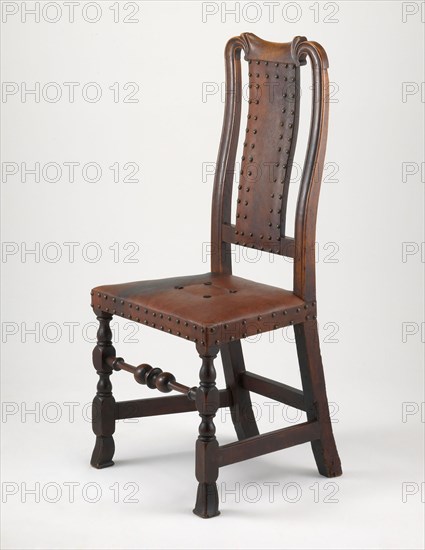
column 207, row 403
column 103, row 410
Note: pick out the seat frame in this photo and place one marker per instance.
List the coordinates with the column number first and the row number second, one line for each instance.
column 206, row 398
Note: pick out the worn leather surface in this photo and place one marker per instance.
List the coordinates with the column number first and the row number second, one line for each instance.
column 268, row 150
column 208, row 308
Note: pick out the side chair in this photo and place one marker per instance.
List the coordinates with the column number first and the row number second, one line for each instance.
column 216, row 310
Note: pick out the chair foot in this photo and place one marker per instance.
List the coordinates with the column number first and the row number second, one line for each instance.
column 103, row 452
column 327, row 459
column 206, row 501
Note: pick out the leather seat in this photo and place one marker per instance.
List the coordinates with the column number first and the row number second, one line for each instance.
column 210, row 307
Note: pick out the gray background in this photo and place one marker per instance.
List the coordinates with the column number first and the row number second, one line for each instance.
column 369, row 273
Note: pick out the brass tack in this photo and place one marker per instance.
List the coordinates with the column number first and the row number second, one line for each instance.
column 122, row 302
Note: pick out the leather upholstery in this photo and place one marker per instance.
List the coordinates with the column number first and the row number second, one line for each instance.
column 208, row 309
column 268, row 151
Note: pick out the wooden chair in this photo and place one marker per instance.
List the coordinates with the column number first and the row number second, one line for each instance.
column 216, row 310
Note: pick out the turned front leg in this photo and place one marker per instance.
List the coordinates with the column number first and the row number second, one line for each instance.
column 207, row 403
column 103, row 410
